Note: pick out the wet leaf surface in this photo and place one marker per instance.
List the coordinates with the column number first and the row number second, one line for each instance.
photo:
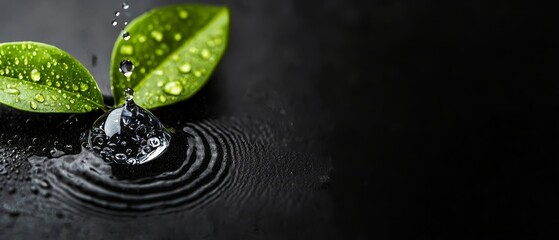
column 174, row 51
column 41, row 78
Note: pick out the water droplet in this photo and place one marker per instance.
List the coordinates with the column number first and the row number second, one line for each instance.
column 178, row 36
column 44, row 183
column 173, row 88
column 205, row 53
column 125, row 23
column 117, row 13
column 126, row 67
column 67, row 106
column 185, row 68
column 154, row 142
column 33, row 105
column 11, row 91
column 120, row 157
column 183, row 14
column 126, row 36
column 39, row 98
column 141, row 38
column 125, row 5
column 157, row 35
column 162, row 99
column 83, row 87
column 126, row 50
column 129, row 94
column 114, row 22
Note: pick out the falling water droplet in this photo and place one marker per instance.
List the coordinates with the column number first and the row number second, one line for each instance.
column 126, row 67
column 35, row 75
column 125, row 35
column 173, row 88
column 129, row 94
column 114, row 22
column 117, row 13
column 125, row 5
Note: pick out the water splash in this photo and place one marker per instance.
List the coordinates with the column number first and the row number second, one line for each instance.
column 128, row 134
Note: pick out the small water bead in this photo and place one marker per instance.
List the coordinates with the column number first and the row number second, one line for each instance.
column 129, row 94
column 117, row 13
column 185, row 68
column 126, row 50
column 39, row 98
column 205, row 53
column 114, row 22
column 157, row 35
column 126, row 36
column 173, row 88
column 83, row 87
column 183, row 14
column 143, row 135
column 35, row 75
column 125, row 5
column 11, row 91
column 33, row 104
column 126, row 67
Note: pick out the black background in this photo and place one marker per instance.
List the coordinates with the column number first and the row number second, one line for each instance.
column 437, row 115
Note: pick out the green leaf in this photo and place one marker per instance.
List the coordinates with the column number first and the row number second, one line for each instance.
column 41, row 78
column 174, row 49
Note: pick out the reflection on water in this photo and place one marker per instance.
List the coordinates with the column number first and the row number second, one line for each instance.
column 225, row 176
column 193, row 171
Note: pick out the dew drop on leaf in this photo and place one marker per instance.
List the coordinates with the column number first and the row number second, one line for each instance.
column 183, row 14
column 205, row 53
column 177, row 36
column 173, row 88
column 126, row 50
column 39, row 98
column 33, row 104
column 11, row 91
column 83, row 87
column 185, row 68
column 157, row 35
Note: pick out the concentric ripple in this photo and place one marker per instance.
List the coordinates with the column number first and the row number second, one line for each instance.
column 196, row 169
